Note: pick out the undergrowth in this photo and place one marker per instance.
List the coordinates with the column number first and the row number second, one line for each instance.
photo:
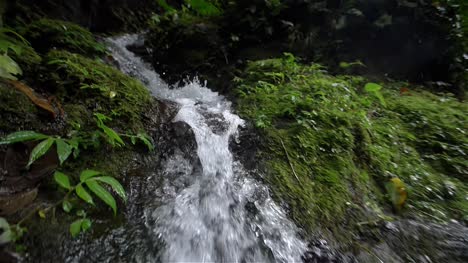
column 45, row 34
column 333, row 149
column 74, row 103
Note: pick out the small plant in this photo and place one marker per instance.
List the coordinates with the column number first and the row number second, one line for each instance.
column 115, row 139
column 109, row 134
column 374, row 89
column 5, row 232
column 165, row 6
column 203, row 7
column 9, row 69
column 90, row 181
column 65, row 147
column 80, row 225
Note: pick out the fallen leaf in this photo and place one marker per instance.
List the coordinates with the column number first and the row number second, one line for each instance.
column 396, row 189
column 37, row 99
column 404, row 90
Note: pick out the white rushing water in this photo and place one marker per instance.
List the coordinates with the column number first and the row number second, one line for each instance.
column 204, row 216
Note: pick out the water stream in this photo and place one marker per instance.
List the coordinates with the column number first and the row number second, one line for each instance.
column 219, row 214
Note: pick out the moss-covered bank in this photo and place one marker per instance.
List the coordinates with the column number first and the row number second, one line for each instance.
column 340, row 157
column 67, row 78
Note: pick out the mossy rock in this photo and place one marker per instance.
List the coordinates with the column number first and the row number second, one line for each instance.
column 45, row 34
column 97, row 87
column 16, row 109
column 331, row 148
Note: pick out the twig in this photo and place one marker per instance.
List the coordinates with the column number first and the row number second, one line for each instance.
column 289, row 161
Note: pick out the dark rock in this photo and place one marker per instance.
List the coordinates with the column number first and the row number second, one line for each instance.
column 429, row 241
column 97, row 15
column 186, row 49
column 402, row 39
column 18, row 185
column 246, row 146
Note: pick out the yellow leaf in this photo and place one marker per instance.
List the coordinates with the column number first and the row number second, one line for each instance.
column 396, row 189
column 42, row 214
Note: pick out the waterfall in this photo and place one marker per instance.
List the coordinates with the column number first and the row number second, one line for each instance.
column 220, row 214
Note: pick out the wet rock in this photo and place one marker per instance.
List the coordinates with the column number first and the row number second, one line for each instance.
column 183, row 138
column 427, row 242
column 245, row 146
column 12, row 203
column 319, row 251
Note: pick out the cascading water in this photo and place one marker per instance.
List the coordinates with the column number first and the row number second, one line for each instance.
column 204, row 216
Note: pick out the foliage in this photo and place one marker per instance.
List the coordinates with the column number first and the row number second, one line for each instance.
column 81, row 87
column 5, row 232
column 259, row 17
column 80, row 225
column 64, row 147
column 374, row 89
column 112, row 137
column 115, row 139
column 90, row 180
column 165, row 6
column 346, row 149
column 45, row 34
column 204, row 7
column 10, row 41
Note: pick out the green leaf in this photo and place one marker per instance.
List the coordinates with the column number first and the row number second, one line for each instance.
column 62, row 180
column 81, row 213
column 113, row 136
column 101, row 117
column 20, row 37
column 63, row 150
column 83, row 194
column 86, row 174
column 85, row 224
column 344, row 64
column 22, row 136
column 9, row 68
column 372, row 87
column 75, row 227
column 146, row 140
column 103, row 194
column 17, row 232
column 5, row 230
column 380, row 97
column 116, row 186
column 41, row 214
column 74, row 143
column 67, row 206
column 40, row 150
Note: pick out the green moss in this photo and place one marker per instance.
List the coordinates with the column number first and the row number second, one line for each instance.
column 421, row 139
column 16, row 110
column 344, row 146
column 98, row 88
column 45, row 34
